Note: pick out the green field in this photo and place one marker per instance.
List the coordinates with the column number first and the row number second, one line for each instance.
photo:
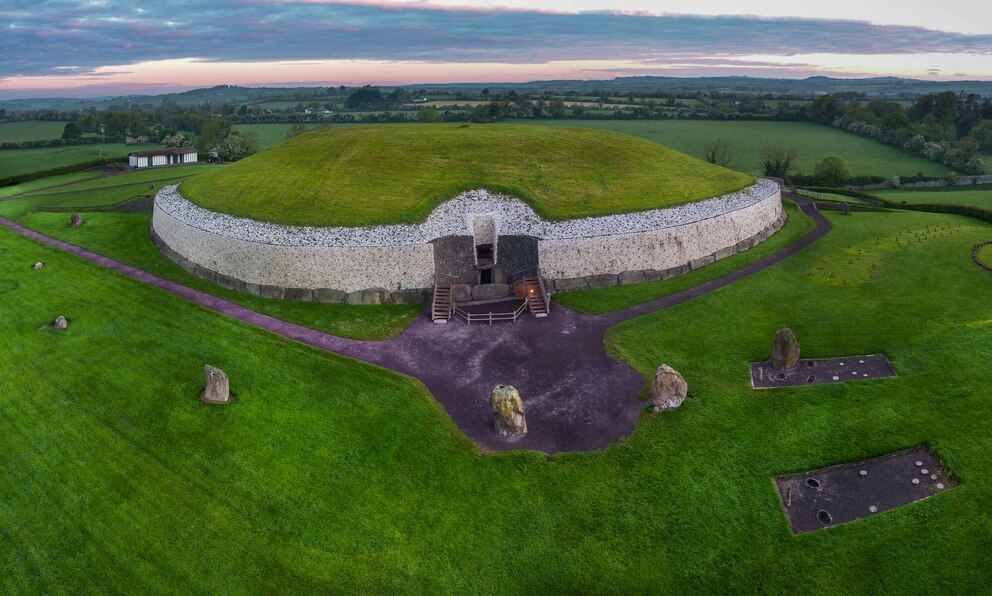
column 326, row 475
column 31, row 130
column 269, row 135
column 955, row 195
column 25, row 161
column 366, row 175
column 812, row 141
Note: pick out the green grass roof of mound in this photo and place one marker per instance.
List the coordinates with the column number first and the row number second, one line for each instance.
column 389, row 174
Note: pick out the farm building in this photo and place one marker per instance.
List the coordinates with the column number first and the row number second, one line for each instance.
column 162, row 157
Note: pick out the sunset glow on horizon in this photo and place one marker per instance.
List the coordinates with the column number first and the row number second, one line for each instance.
column 96, row 48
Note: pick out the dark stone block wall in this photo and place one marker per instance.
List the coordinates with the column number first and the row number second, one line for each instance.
column 454, row 260
column 517, row 256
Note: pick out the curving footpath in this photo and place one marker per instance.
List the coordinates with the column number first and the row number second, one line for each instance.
column 577, row 399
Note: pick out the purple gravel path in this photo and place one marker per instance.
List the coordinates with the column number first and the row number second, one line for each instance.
column 577, row 398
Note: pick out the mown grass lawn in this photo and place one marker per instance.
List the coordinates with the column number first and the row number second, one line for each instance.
column 812, row 141
column 600, row 300
column 954, row 195
column 329, row 475
column 366, row 175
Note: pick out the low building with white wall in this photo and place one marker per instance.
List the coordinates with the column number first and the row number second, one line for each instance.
column 162, row 157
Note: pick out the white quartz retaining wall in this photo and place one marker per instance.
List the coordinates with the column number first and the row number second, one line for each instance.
column 338, row 264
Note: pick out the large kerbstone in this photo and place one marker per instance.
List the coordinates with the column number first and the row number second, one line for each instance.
column 60, row 322
column 785, row 350
column 702, row 262
column 329, row 296
column 508, row 411
column 368, row 296
column 567, row 285
column 299, row 294
column 217, row 388
column 668, row 389
column 602, row 280
column 638, row 277
column 490, row 291
column 411, row 296
column 461, row 293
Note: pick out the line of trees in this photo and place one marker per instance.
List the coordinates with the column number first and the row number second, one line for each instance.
column 949, row 128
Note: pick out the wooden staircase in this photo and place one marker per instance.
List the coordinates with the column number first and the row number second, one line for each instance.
column 441, row 307
column 537, row 297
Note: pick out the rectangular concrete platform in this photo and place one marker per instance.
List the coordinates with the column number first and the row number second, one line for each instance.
column 829, row 496
column 819, row 371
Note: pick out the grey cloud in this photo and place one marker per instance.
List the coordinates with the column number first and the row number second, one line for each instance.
column 37, row 38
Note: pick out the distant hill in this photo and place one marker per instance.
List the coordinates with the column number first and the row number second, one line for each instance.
column 891, row 87
column 882, row 86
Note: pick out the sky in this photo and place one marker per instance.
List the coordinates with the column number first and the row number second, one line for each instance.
column 101, row 47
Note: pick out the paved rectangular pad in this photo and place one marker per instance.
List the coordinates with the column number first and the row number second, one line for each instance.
column 829, row 496
column 819, row 371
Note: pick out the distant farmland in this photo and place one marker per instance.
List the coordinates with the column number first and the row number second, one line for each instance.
column 747, row 138
column 32, row 130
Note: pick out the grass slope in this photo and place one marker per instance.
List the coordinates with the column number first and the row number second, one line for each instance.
column 329, row 475
column 954, row 195
column 368, row 175
column 101, row 192
column 812, row 141
column 48, row 184
column 600, row 300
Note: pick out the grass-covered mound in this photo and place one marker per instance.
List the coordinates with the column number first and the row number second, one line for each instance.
column 368, row 175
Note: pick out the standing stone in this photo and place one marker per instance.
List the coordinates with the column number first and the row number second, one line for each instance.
column 38, row 265
column 785, row 351
column 76, row 220
column 218, row 389
column 508, row 411
column 845, row 209
column 60, row 322
column 668, row 389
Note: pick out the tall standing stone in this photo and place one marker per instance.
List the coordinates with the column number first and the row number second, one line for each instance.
column 217, row 390
column 785, row 350
column 668, row 389
column 508, row 411
column 76, row 220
